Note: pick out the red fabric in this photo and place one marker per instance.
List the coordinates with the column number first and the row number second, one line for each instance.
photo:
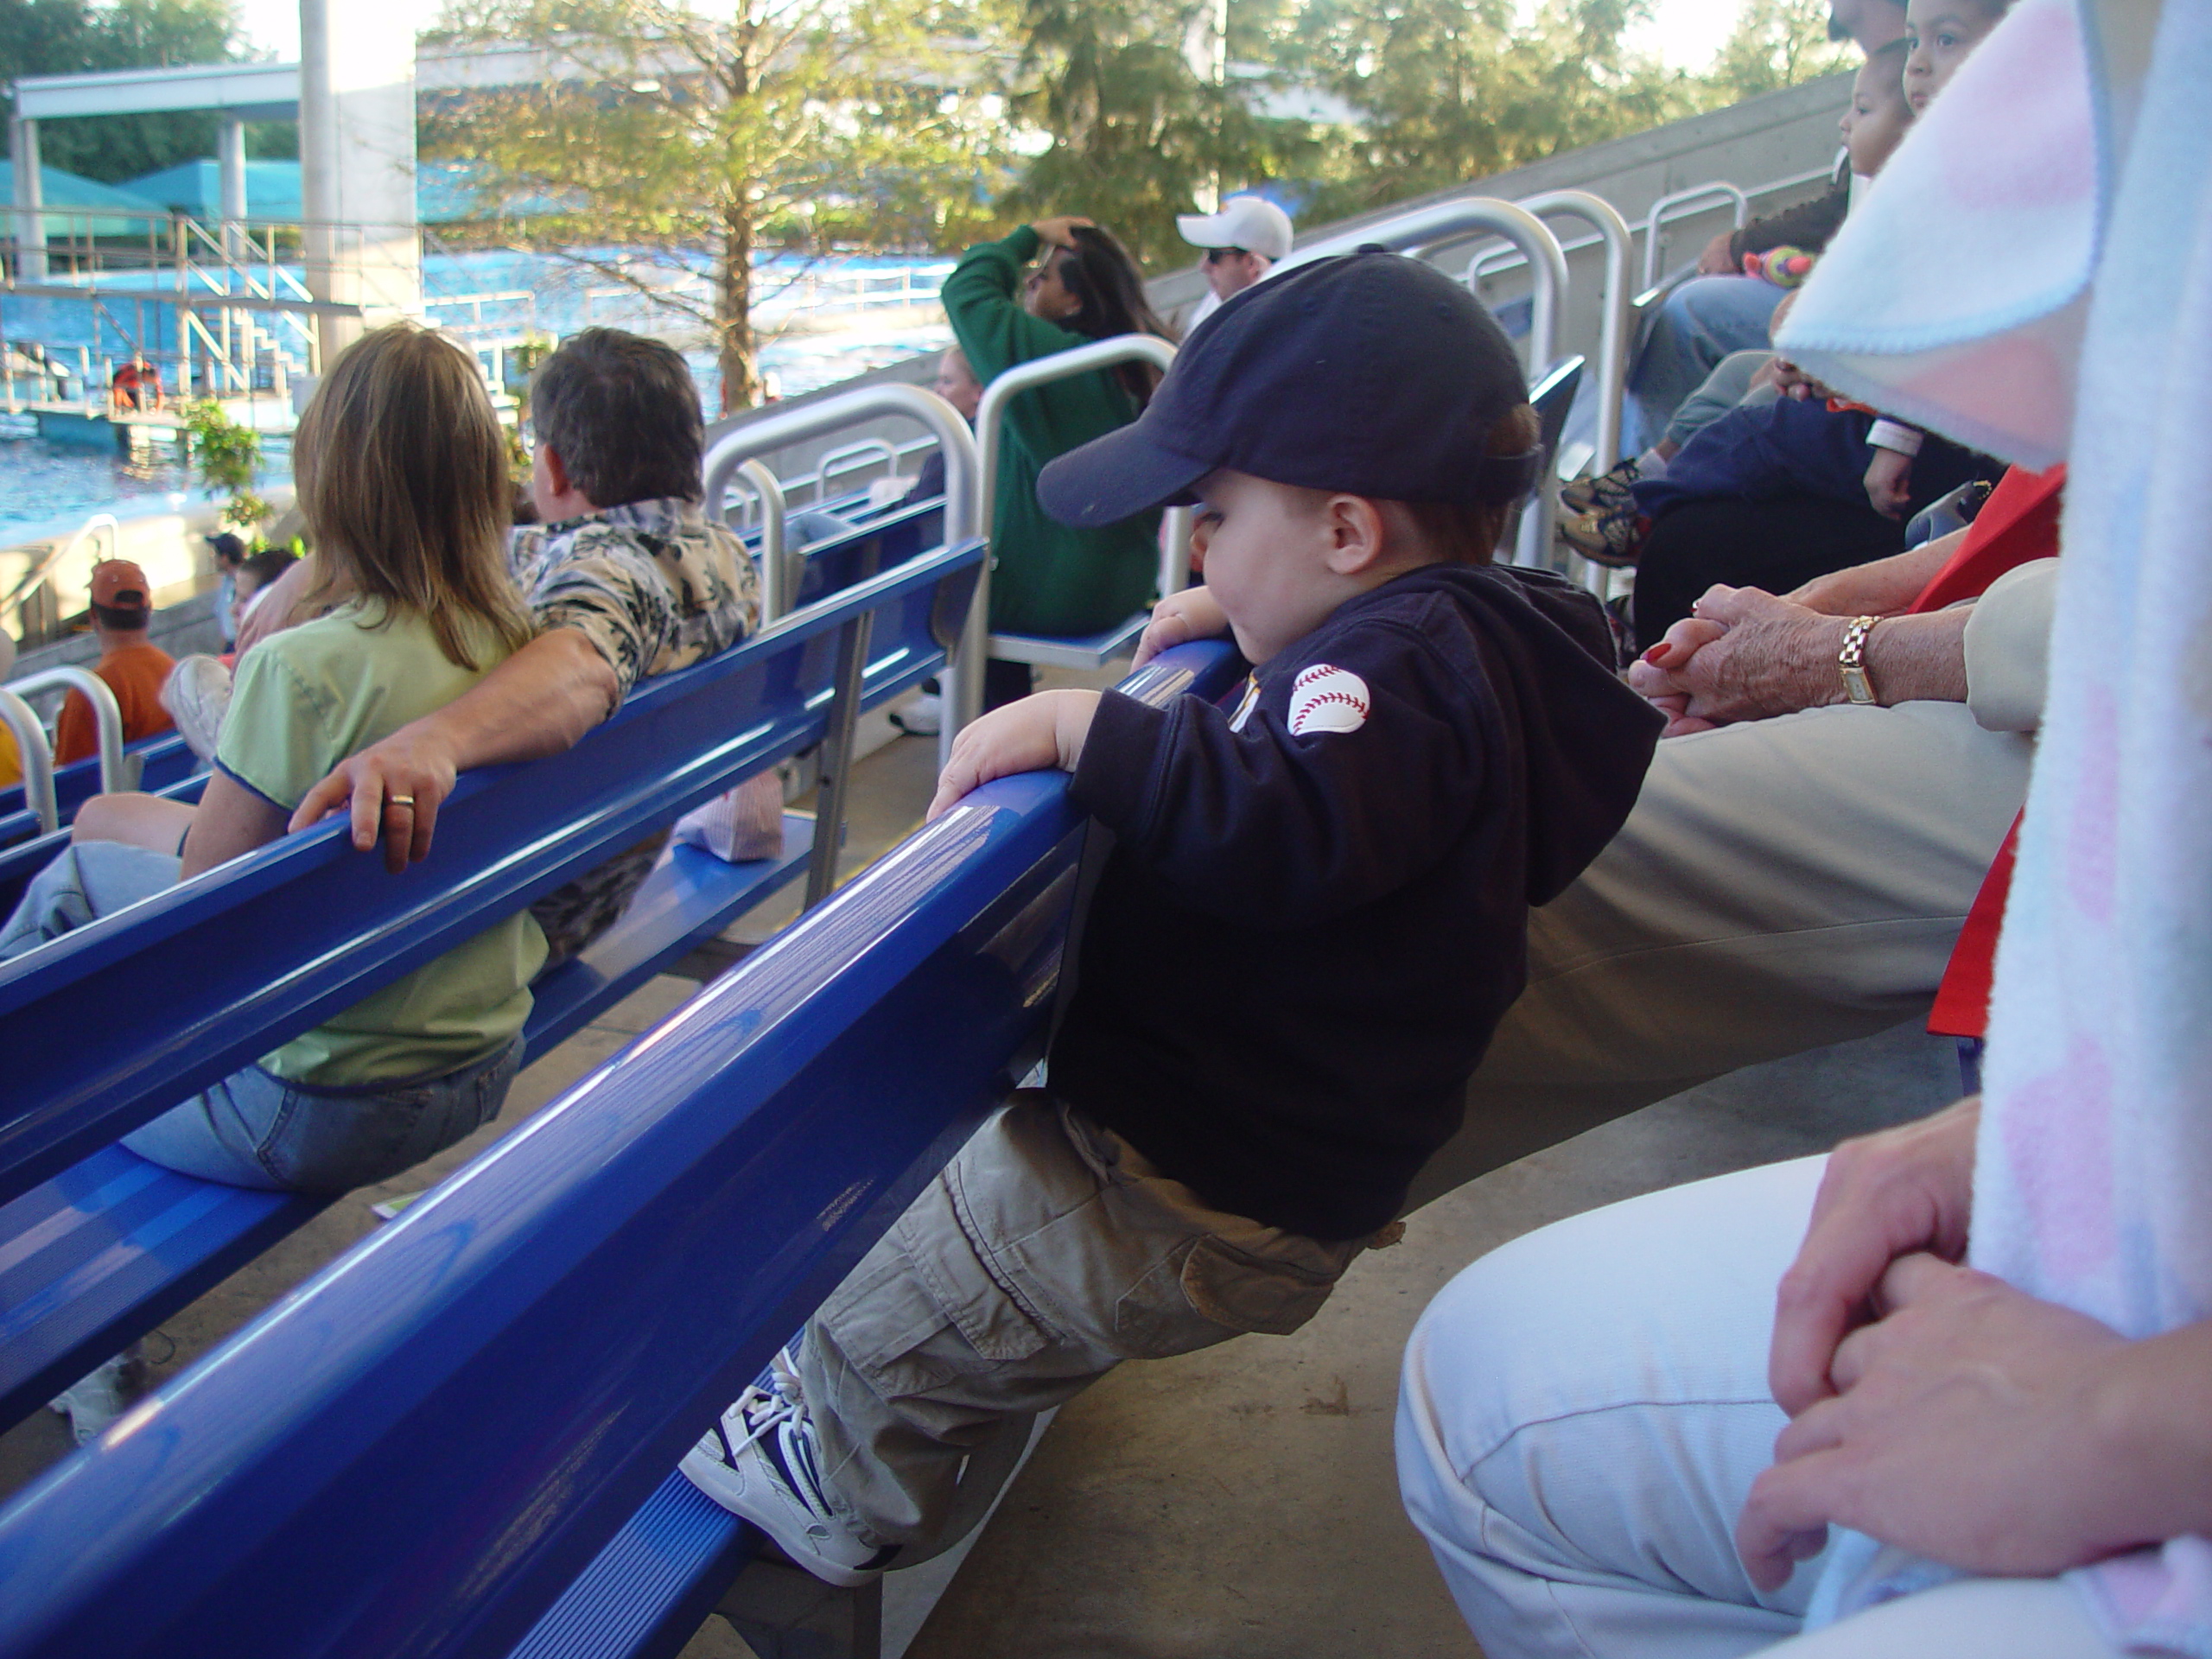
column 135, row 674
column 2019, row 522
column 1962, row 1000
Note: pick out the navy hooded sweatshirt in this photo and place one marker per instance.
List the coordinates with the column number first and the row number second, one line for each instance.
column 1317, row 909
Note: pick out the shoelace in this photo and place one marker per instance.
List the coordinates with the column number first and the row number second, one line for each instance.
column 765, row 1409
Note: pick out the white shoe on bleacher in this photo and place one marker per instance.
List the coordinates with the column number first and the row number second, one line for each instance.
column 760, row 1463
column 923, row 716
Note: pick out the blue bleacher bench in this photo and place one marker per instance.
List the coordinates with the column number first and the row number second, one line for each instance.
column 459, row 1439
column 97, row 1245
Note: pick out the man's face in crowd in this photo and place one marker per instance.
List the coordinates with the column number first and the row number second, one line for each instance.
column 1231, row 271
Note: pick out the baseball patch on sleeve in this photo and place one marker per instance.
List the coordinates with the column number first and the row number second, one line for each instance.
column 1326, row 699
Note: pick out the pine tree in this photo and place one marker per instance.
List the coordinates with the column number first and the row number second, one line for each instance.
column 668, row 132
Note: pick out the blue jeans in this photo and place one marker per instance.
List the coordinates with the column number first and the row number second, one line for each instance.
column 254, row 1128
column 1695, row 326
column 1723, row 389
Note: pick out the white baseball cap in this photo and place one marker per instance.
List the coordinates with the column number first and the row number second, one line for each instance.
column 1252, row 223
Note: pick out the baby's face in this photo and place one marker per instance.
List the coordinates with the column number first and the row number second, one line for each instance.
column 1940, row 35
column 1876, row 123
column 1264, row 549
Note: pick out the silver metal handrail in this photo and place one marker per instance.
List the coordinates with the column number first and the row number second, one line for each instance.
column 963, row 495
column 964, row 687
column 1682, row 204
column 1614, row 305
column 61, row 550
column 779, row 429
column 37, row 758
column 1448, row 221
column 118, row 772
column 777, row 585
column 840, row 459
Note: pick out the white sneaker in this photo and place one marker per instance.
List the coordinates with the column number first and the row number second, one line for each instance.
column 92, row 1403
column 760, row 1462
column 923, row 717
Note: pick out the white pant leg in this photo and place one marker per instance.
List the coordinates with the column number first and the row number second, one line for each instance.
column 1973, row 1618
column 1583, row 1412
column 1781, row 885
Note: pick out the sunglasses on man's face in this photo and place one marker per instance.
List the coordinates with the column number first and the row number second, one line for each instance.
column 1215, row 255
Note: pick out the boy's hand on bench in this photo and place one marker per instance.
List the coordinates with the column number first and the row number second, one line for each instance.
column 1194, row 613
column 1045, row 730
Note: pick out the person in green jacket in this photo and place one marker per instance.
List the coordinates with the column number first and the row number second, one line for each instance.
column 1049, row 578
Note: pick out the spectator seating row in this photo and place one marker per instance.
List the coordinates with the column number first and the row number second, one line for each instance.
column 96, row 1245
column 459, row 1439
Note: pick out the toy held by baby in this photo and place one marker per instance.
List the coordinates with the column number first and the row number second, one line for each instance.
column 1785, row 267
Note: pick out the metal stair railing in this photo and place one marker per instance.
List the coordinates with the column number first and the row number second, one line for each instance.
column 63, row 547
column 966, row 685
column 964, row 493
column 117, row 771
column 1680, row 204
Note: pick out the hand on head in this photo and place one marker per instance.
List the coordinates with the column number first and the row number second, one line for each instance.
column 1059, row 231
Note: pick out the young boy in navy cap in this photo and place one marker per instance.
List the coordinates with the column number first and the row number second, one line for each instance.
column 1313, row 917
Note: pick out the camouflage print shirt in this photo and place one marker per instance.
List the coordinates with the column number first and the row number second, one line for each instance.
column 654, row 585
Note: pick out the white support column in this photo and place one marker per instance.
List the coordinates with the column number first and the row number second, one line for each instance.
column 357, row 153
column 30, row 198
column 229, row 167
column 319, row 165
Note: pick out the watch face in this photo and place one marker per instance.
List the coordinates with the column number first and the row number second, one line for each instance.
column 1856, row 686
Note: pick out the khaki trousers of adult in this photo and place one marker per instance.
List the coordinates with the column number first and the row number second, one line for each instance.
column 1781, row 885
column 1045, row 1253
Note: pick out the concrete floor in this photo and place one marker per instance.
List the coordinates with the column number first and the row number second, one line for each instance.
column 1239, row 1502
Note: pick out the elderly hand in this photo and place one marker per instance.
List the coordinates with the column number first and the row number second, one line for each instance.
column 1059, row 232
column 394, row 789
column 1966, row 1428
column 1194, row 613
column 1743, row 655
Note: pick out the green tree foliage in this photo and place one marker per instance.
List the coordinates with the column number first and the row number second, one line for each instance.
column 61, row 37
column 1135, row 132
column 1454, row 90
column 1778, row 43
column 790, row 123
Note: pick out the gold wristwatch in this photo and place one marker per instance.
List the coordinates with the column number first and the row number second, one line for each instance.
column 1850, row 661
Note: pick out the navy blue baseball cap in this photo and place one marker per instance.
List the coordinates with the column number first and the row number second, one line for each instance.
column 1371, row 374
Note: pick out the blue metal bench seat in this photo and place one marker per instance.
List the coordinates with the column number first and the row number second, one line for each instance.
column 163, row 760
column 424, row 1448
column 110, row 1247
column 99, row 1253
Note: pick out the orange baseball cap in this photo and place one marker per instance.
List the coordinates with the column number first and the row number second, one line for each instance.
column 120, row 585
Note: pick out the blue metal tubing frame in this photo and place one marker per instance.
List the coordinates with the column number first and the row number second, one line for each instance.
column 165, row 760
column 416, row 1452
column 204, row 953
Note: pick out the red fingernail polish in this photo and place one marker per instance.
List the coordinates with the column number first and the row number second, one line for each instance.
column 1654, row 653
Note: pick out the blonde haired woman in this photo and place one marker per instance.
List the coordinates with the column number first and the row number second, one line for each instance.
column 402, row 474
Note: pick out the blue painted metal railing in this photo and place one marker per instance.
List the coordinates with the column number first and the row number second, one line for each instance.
column 246, row 956
column 416, row 1452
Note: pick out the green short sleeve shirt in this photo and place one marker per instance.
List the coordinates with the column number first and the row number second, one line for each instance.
column 304, row 700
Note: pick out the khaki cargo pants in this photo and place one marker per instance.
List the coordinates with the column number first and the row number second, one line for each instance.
column 1043, row 1255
